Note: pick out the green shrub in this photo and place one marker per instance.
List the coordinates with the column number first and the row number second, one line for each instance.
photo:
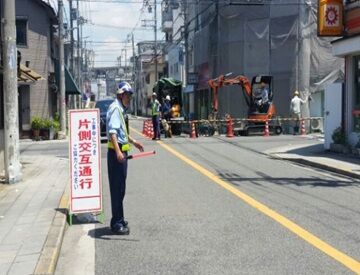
column 48, row 123
column 56, row 116
column 37, row 123
column 56, row 125
column 338, row 136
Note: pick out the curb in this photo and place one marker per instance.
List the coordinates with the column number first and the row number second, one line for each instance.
column 325, row 167
column 52, row 246
column 320, row 166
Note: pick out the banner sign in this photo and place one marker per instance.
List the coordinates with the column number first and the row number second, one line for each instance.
column 352, row 21
column 330, row 18
column 85, row 161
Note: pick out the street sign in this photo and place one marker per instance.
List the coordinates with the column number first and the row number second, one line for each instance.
column 85, row 161
column 192, row 78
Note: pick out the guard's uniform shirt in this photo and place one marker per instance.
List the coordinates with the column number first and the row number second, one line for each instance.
column 116, row 124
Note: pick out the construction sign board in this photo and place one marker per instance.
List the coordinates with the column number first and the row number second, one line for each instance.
column 85, row 161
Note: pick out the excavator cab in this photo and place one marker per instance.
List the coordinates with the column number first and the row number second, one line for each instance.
column 259, row 98
column 261, row 92
column 261, row 104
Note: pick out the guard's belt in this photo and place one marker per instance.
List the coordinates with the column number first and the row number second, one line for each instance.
column 123, row 147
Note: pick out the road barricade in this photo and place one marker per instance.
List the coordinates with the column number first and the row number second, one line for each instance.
column 229, row 127
column 232, row 126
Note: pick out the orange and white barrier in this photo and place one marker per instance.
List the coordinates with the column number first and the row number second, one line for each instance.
column 229, row 128
column 193, row 131
column 266, row 129
column 303, row 131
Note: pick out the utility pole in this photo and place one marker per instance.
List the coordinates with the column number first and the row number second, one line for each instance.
column 186, row 46
column 155, row 51
column 62, row 133
column 72, row 60
column 71, row 38
column 125, row 64
column 78, row 48
column 133, row 73
column 304, row 56
column 11, row 121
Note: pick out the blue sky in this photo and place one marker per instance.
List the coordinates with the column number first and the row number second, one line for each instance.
column 113, row 23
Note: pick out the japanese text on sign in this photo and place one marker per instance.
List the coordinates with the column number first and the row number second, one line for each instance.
column 85, row 165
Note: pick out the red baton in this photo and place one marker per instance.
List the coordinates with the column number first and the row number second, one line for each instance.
column 139, row 155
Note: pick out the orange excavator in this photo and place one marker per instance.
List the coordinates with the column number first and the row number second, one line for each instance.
column 258, row 96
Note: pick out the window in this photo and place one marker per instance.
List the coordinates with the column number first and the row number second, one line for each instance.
column 21, row 32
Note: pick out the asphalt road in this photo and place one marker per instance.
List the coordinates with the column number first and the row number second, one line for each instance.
column 214, row 205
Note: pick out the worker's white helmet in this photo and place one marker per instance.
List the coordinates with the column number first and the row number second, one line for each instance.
column 124, row 87
column 296, row 93
column 167, row 98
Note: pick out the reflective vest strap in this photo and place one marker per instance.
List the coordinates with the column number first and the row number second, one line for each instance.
column 124, row 147
column 154, row 109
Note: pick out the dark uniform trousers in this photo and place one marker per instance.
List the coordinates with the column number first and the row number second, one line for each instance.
column 117, row 172
column 156, row 126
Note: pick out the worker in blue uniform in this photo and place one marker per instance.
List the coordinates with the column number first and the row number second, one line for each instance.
column 119, row 142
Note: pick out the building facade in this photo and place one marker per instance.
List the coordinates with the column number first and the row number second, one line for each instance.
column 35, row 42
column 145, row 75
column 348, row 47
column 250, row 39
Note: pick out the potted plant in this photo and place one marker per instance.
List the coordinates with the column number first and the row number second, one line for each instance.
column 56, row 125
column 48, row 130
column 339, row 141
column 36, row 125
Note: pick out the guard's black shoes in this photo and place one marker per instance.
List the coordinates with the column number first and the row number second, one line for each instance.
column 121, row 230
column 124, row 223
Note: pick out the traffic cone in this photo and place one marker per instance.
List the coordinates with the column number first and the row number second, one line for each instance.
column 303, row 132
column 144, row 128
column 151, row 131
column 266, row 130
column 193, row 132
column 148, row 128
column 229, row 128
column 146, row 133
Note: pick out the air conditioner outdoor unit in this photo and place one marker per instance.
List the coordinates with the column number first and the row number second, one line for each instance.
column 317, row 125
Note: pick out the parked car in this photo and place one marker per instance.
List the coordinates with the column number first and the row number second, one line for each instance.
column 103, row 106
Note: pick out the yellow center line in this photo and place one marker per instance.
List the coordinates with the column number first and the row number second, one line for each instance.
column 341, row 257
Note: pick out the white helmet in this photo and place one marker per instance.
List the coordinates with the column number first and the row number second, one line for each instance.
column 167, row 98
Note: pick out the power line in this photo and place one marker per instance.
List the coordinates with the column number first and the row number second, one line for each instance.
column 226, row 2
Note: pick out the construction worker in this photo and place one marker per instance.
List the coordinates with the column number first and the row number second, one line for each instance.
column 155, row 115
column 262, row 98
column 166, row 115
column 295, row 110
column 118, row 146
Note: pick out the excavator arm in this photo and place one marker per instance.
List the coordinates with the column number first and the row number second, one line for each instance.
column 216, row 83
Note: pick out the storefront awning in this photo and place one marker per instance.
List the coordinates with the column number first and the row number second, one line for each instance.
column 70, row 86
column 27, row 75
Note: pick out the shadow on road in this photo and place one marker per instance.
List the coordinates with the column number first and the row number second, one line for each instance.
column 104, row 233
column 235, row 179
